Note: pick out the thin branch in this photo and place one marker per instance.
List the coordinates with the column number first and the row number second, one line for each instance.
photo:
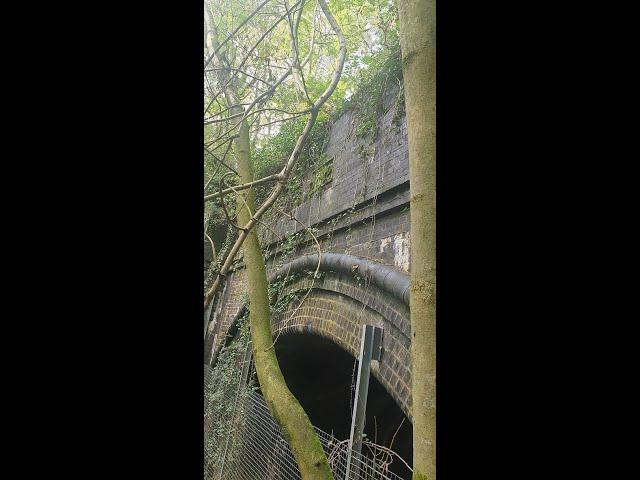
column 295, row 114
column 260, row 98
column 232, row 77
column 207, row 146
column 244, row 73
column 212, row 196
column 220, row 163
column 286, row 171
column 224, row 207
column 315, row 274
column 213, row 248
column 396, row 432
column 213, row 175
column 297, row 69
column 225, row 119
column 221, row 160
column 388, row 450
column 313, row 37
column 280, row 120
column 219, row 46
column 227, row 108
column 251, row 213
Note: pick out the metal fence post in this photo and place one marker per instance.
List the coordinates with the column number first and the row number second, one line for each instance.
column 370, row 349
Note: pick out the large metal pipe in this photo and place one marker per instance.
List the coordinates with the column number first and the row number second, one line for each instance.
column 386, row 278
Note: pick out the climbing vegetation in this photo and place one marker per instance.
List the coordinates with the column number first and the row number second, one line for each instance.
column 277, row 74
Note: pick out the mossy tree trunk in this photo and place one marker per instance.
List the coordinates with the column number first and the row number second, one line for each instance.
column 298, row 431
column 287, row 411
column 418, row 45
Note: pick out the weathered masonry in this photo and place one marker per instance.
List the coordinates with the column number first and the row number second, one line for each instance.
column 361, row 220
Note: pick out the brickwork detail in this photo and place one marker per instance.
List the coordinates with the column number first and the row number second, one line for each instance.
column 232, row 300
column 383, row 239
column 364, row 212
column 337, row 307
column 363, row 170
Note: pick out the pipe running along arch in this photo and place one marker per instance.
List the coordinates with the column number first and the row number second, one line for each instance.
column 386, row 278
column 352, row 291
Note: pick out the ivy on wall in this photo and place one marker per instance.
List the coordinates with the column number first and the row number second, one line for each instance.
column 379, row 90
column 382, row 75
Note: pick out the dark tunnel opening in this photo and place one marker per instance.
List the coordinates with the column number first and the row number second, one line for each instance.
column 321, row 374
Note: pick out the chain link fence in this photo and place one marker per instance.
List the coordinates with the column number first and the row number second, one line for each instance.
column 243, row 441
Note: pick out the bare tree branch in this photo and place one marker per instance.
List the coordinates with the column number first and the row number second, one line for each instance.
column 224, row 207
column 221, row 160
column 286, row 171
column 262, row 37
column 230, row 36
column 213, row 248
column 244, row 73
column 264, row 180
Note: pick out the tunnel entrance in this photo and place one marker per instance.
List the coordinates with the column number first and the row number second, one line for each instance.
column 321, row 374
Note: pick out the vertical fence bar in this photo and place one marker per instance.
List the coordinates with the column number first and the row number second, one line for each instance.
column 370, row 349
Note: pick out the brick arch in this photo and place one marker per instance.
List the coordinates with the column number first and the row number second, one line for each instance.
column 336, row 306
column 331, row 312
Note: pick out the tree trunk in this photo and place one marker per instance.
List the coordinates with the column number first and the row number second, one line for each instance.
column 418, row 44
column 298, row 431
